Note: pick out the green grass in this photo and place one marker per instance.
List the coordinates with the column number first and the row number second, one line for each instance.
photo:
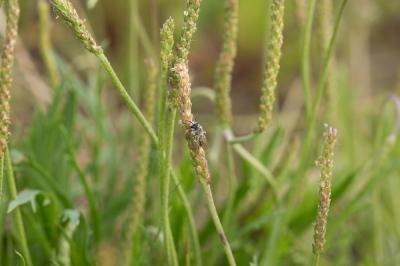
column 74, row 168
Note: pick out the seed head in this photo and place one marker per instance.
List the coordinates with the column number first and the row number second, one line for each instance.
column 68, row 14
column 7, row 61
column 272, row 66
column 197, row 151
column 190, row 17
column 325, row 162
column 167, row 42
column 182, row 47
column 225, row 63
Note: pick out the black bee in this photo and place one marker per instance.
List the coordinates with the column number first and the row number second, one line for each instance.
column 198, row 134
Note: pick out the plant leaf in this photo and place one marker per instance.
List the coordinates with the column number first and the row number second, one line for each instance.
column 26, row 196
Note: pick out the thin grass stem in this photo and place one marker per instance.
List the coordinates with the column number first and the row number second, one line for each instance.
column 127, row 99
column 305, row 62
column 1, row 177
column 327, row 59
column 68, row 14
column 165, row 186
column 190, row 216
column 315, row 260
column 133, row 65
column 218, row 224
column 46, row 48
column 93, row 208
column 165, row 130
column 248, row 157
column 232, row 186
column 19, row 223
column 242, row 139
column 305, row 153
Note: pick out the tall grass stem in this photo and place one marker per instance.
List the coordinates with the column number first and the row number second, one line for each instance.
column 69, row 15
column 127, row 99
column 166, row 126
column 306, row 61
column 46, row 48
column 133, row 62
column 191, row 219
column 19, row 223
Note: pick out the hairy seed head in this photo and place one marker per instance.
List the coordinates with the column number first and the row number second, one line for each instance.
column 7, row 61
column 325, row 162
column 225, row 63
column 272, row 66
column 68, row 14
column 182, row 47
column 197, row 152
column 167, row 43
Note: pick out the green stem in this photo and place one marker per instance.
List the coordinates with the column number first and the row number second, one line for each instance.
column 232, row 187
column 217, row 223
column 305, row 66
column 315, row 260
column 320, row 88
column 245, row 138
column 229, row 205
column 133, row 66
column 165, row 187
column 305, row 154
column 248, row 157
column 144, row 38
column 164, row 157
column 21, row 236
column 190, row 216
column 327, row 59
column 1, row 177
column 204, row 92
column 45, row 44
column 94, row 212
column 126, row 98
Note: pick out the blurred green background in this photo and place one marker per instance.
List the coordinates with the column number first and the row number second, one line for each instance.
column 367, row 51
column 367, row 63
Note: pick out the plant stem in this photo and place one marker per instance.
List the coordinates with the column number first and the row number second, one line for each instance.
column 1, row 178
column 217, row 223
column 244, row 138
column 305, row 66
column 232, row 186
column 327, row 59
column 165, row 182
column 45, row 44
column 190, row 216
column 321, row 85
column 133, row 66
column 247, row 156
column 320, row 89
column 126, row 98
column 315, row 260
column 21, row 236
column 94, row 212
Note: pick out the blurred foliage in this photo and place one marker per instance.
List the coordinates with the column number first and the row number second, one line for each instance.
column 86, row 135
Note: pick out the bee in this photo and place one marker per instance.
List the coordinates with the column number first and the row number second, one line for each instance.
column 198, row 134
